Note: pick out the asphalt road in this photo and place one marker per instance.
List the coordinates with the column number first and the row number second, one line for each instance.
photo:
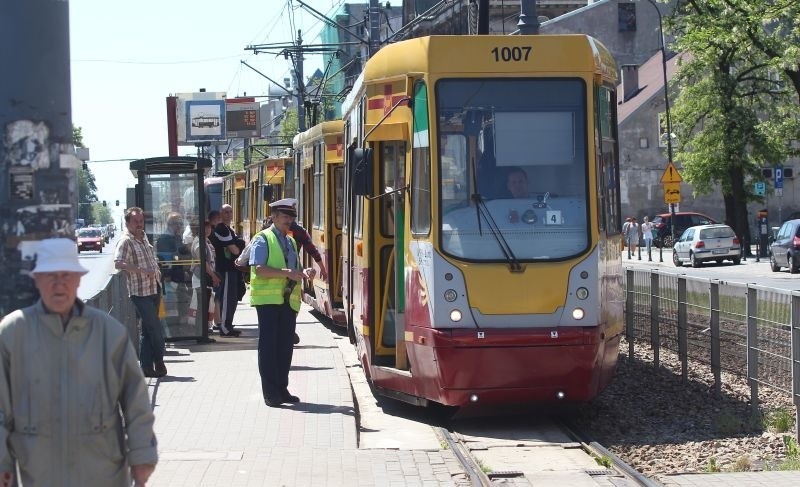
column 749, row 271
column 101, row 267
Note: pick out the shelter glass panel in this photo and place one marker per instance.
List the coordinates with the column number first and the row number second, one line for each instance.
column 172, row 224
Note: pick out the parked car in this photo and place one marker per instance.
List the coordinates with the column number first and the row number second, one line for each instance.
column 705, row 243
column 683, row 220
column 90, row 239
column 785, row 248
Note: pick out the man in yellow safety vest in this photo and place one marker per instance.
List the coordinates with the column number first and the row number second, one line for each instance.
column 275, row 275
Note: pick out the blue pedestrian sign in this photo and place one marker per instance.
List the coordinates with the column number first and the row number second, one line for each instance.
column 778, row 178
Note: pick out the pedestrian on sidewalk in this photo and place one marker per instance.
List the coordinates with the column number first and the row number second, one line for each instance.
column 304, row 243
column 630, row 232
column 68, row 377
column 135, row 257
column 205, row 294
column 275, row 273
column 227, row 246
column 647, row 235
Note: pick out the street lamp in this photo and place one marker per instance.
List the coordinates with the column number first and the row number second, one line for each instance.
column 669, row 121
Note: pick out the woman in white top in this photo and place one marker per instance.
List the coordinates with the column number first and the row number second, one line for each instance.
column 647, row 234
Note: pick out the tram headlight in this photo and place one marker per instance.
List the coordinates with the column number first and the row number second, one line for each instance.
column 582, row 293
column 578, row 313
column 455, row 315
column 450, row 295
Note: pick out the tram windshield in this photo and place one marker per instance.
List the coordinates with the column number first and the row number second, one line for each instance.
column 518, row 145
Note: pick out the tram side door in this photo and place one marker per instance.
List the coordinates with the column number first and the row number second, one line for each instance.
column 306, row 215
column 390, row 288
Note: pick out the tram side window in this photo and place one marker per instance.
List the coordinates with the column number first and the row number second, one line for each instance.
column 318, row 196
column 392, row 177
column 338, row 195
column 421, row 165
column 609, row 162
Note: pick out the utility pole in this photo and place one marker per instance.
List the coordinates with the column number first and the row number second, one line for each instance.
column 301, row 84
column 528, row 19
column 295, row 52
column 374, row 27
column 666, row 108
column 37, row 156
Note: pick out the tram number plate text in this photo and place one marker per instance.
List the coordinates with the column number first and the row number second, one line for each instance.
column 511, row 54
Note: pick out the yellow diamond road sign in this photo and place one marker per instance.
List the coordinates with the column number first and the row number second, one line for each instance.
column 671, row 175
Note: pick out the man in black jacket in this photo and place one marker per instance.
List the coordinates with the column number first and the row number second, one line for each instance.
column 227, row 246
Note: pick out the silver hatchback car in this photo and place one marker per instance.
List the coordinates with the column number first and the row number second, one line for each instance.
column 705, row 243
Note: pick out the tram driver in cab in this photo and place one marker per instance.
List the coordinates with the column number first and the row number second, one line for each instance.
column 517, row 183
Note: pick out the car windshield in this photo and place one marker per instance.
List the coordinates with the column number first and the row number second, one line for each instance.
column 716, row 232
column 88, row 233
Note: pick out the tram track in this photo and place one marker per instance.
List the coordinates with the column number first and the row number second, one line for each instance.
column 598, row 463
column 476, row 475
column 599, row 451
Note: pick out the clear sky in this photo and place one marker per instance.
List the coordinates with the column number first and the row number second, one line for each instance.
column 127, row 57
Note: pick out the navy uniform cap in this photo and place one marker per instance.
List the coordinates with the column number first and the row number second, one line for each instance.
column 286, row 205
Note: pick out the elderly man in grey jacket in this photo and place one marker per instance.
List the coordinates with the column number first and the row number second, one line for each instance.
column 74, row 408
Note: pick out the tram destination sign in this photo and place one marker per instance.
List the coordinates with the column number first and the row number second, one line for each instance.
column 243, row 119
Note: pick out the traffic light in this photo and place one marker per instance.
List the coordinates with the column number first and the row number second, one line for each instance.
column 104, row 202
column 117, row 202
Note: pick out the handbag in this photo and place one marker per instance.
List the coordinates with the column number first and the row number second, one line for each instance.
column 162, row 308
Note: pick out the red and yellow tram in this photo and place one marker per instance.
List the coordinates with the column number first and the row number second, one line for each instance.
column 482, row 219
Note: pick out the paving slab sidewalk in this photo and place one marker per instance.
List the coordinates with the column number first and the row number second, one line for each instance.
column 214, row 429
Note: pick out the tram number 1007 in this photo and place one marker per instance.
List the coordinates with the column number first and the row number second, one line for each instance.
column 509, row 54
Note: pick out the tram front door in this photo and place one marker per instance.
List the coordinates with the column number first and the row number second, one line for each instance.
column 170, row 191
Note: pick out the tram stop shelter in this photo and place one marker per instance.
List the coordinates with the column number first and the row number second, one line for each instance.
column 170, row 191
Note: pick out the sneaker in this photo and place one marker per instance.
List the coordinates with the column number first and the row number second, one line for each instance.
column 224, row 331
column 296, row 338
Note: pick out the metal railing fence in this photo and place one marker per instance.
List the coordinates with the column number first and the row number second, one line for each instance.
column 114, row 299
column 747, row 330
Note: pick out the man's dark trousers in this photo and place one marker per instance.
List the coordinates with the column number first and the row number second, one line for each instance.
column 151, row 341
column 276, row 327
column 228, row 297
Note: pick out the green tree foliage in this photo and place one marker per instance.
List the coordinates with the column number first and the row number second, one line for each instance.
column 77, row 136
column 101, row 214
column 288, row 127
column 237, row 163
column 87, row 188
column 321, row 107
column 773, row 28
column 730, row 118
